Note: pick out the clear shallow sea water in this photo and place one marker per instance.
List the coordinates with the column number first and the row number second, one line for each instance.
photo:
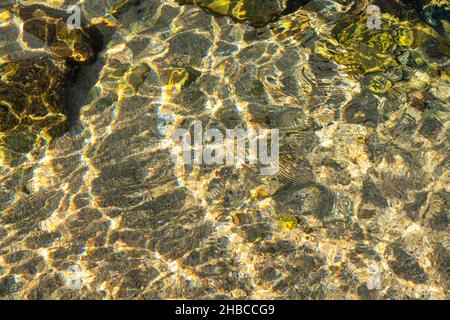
column 358, row 210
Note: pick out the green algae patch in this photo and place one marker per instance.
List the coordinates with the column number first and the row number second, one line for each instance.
column 31, row 104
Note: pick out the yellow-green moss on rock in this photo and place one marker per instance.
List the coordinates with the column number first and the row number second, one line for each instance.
column 33, row 83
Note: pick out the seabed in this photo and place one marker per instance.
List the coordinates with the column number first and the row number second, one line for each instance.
column 92, row 205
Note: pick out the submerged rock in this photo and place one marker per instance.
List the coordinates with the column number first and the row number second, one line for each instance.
column 358, row 207
column 308, row 198
column 434, row 13
column 32, row 95
column 33, row 83
column 406, row 266
column 363, row 109
column 47, row 28
column 255, row 12
column 362, row 48
column 32, row 99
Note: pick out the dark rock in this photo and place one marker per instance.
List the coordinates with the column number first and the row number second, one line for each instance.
column 309, row 198
column 406, row 267
column 255, row 12
column 373, row 195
